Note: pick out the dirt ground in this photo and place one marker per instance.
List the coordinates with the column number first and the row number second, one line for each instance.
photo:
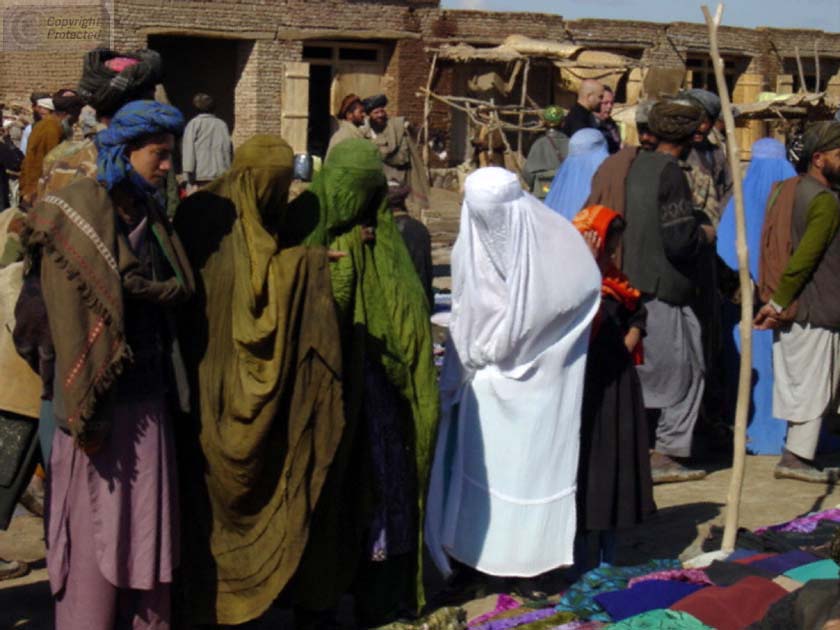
column 686, row 512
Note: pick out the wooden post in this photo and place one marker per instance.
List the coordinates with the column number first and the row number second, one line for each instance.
column 817, row 65
column 522, row 103
column 736, row 483
column 426, row 111
column 802, row 86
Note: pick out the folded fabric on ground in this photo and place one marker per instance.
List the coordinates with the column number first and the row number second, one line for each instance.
column 661, row 620
column 694, row 576
column 785, row 562
column 517, row 621
column 582, row 625
column 804, row 524
column 787, row 584
column 728, row 573
column 778, row 541
column 549, row 623
column 580, row 598
column 444, row 619
column 643, row 597
column 820, row 570
column 741, row 554
column 732, row 607
column 504, row 603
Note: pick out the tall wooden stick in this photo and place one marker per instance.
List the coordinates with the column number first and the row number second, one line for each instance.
column 736, row 483
column 522, row 104
column 817, row 66
column 426, row 111
column 803, row 87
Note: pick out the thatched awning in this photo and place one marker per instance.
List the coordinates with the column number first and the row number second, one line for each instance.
column 774, row 106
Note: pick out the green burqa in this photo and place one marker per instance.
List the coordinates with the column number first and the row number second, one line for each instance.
column 261, row 343
column 384, row 319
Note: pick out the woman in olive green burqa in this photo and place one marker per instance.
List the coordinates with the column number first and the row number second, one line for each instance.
column 261, row 345
column 366, row 533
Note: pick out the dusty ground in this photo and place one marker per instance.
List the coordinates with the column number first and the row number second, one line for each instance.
column 686, row 513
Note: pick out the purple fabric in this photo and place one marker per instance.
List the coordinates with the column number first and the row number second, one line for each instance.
column 128, row 489
column 503, row 603
column 650, row 595
column 804, row 525
column 693, row 576
column 519, row 620
column 785, row 561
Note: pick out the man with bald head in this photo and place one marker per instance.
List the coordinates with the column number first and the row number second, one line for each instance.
column 582, row 115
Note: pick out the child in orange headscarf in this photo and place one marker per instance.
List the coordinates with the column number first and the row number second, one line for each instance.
column 615, row 489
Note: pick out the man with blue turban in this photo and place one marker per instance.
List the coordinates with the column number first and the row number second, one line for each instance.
column 111, row 270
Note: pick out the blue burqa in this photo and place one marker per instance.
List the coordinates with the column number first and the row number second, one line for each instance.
column 769, row 165
column 573, row 181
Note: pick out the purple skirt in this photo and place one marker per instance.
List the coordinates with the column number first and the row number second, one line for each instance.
column 129, row 488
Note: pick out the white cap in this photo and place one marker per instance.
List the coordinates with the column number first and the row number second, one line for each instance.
column 46, row 103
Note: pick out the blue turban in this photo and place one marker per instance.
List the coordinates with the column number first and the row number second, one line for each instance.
column 132, row 121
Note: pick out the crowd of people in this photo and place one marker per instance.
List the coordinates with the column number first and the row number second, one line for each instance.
column 233, row 393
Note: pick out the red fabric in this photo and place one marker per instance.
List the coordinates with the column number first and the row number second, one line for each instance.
column 614, row 283
column 732, row 607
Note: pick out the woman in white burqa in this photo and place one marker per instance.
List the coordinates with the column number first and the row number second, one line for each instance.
column 525, row 291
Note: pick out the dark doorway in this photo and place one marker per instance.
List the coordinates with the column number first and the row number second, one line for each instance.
column 199, row 64
column 319, row 130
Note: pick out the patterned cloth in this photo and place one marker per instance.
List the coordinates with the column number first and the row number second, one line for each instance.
column 805, row 524
column 695, row 576
column 661, row 620
column 132, row 121
column 503, row 603
column 522, row 620
column 580, row 598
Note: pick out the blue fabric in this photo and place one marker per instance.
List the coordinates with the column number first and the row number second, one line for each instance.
column 573, row 181
column 580, row 597
column 132, row 121
column 741, row 554
column 46, row 430
column 645, row 596
column 766, row 434
column 783, row 562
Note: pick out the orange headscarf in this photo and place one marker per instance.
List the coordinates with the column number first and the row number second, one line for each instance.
column 614, row 283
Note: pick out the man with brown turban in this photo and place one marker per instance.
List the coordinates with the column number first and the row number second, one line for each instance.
column 351, row 118
column 660, row 248
column 805, row 212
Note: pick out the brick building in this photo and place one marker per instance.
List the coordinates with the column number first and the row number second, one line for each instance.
column 282, row 65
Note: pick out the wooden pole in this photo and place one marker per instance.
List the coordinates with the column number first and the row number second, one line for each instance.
column 522, row 104
column 817, row 66
column 736, row 483
column 426, row 111
column 802, row 85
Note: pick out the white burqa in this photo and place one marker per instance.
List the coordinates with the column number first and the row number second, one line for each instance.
column 525, row 290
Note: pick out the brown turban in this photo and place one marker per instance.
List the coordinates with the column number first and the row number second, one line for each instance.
column 675, row 121
column 820, row 137
column 347, row 104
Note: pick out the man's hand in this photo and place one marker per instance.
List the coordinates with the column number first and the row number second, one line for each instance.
column 767, row 318
column 709, row 232
column 368, row 234
column 334, row 255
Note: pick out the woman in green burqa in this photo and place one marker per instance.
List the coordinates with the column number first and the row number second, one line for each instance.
column 366, row 533
column 261, row 344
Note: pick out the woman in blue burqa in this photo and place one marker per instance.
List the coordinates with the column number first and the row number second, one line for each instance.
column 769, row 165
column 573, row 182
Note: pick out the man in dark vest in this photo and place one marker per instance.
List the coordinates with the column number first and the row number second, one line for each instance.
column 661, row 246
column 806, row 355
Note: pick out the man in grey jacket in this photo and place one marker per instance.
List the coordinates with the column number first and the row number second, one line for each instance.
column 207, row 149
